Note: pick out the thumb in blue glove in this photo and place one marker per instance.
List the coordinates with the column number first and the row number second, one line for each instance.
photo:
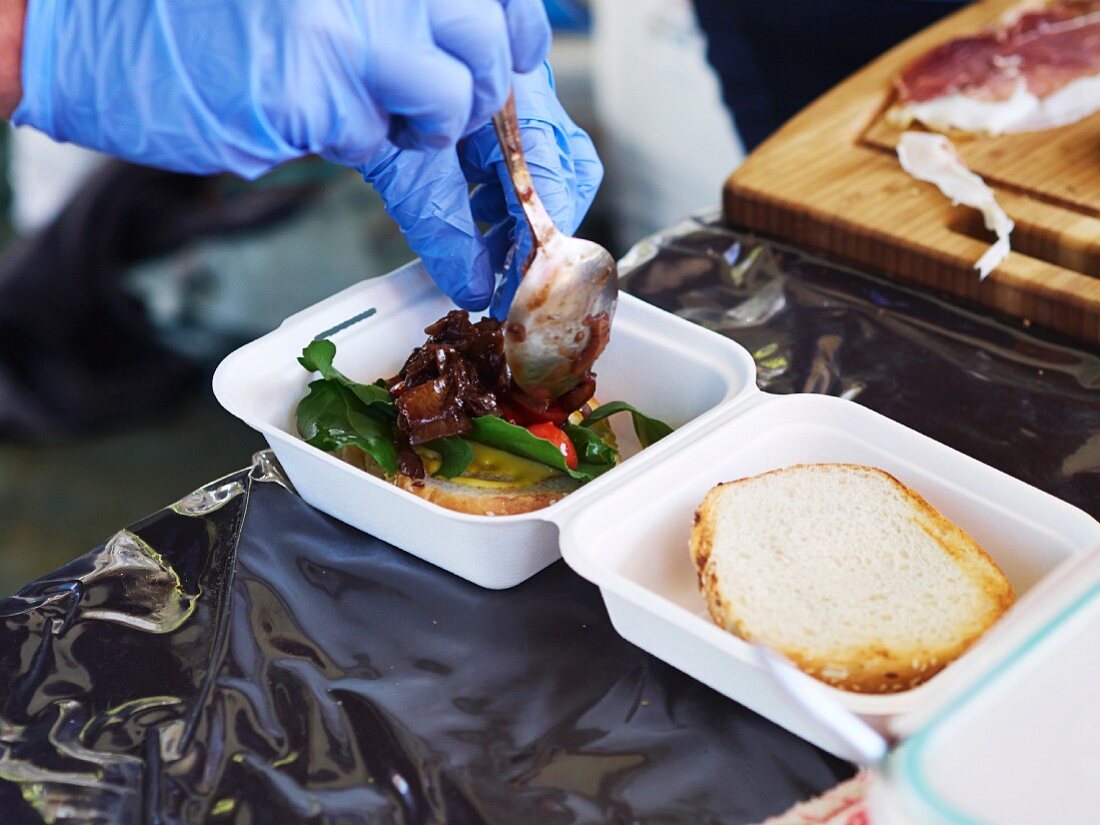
column 427, row 194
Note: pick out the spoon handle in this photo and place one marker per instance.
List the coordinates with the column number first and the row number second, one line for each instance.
column 511, row 144
column 849, row 736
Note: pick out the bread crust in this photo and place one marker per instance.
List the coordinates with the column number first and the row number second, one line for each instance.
column 869, row 669
column 473, row 501
column 479, row 502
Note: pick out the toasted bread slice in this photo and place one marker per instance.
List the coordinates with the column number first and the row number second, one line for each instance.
column 466, row 499
column 479, row 502
column 847, row 572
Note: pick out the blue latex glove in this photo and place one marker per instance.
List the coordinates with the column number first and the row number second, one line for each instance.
column 427, row 194
column 244, row 85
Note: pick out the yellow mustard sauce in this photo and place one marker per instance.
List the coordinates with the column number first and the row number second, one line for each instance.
column 493, row 469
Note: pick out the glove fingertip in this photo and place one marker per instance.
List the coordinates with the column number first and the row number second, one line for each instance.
column 472, row 292
column 488, row 204
column 510, row 255
column 527, row 60
column 530, row 33
column 505, row 294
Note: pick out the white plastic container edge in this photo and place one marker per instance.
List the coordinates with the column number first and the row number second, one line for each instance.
column 665, row 365
column 627, row 531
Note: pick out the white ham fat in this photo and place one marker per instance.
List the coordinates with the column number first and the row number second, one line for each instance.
column 932, row 158
column 1023, row 112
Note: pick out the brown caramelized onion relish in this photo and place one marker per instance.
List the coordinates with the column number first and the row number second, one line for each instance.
column 459, row 374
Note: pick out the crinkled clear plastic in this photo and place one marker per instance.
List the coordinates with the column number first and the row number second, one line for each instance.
column 241, row 657
column 1021, row 399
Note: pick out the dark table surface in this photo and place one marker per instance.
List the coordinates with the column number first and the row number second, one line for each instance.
column 241, row 657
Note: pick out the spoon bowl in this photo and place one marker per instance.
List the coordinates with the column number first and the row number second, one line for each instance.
column 560, row 319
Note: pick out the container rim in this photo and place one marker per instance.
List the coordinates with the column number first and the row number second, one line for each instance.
column 913, row 752
column 322, row 320
column 899, row 707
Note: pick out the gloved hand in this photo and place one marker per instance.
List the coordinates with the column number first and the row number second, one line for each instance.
column 427, row 194
column 244, row 85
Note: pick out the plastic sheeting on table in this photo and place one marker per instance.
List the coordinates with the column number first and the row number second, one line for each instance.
column 240, row 657
column 1018, row 398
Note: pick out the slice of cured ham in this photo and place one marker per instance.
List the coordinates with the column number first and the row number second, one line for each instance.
column 1039, row 69
column 931, row 157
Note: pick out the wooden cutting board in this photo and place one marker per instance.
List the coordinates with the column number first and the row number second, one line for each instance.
column 830, row 180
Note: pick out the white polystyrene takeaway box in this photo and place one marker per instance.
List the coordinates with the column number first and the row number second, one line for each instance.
column 628, row 531
column 668, row 367
column 633, row 540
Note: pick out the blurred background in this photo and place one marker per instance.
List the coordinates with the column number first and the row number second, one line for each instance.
column 122, row 287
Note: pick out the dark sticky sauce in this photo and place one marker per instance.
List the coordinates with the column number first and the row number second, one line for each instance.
column 599, row 332
column 540, row 297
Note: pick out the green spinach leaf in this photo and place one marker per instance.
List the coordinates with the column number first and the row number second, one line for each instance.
column 455, row 456
column 496, row 432
column 331, row 416
column 318, row 357
column 590, row 447
column 649, row 430
column 339, row 412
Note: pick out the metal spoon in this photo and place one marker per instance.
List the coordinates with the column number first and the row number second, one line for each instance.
column 848, row 736
column 560, row 319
